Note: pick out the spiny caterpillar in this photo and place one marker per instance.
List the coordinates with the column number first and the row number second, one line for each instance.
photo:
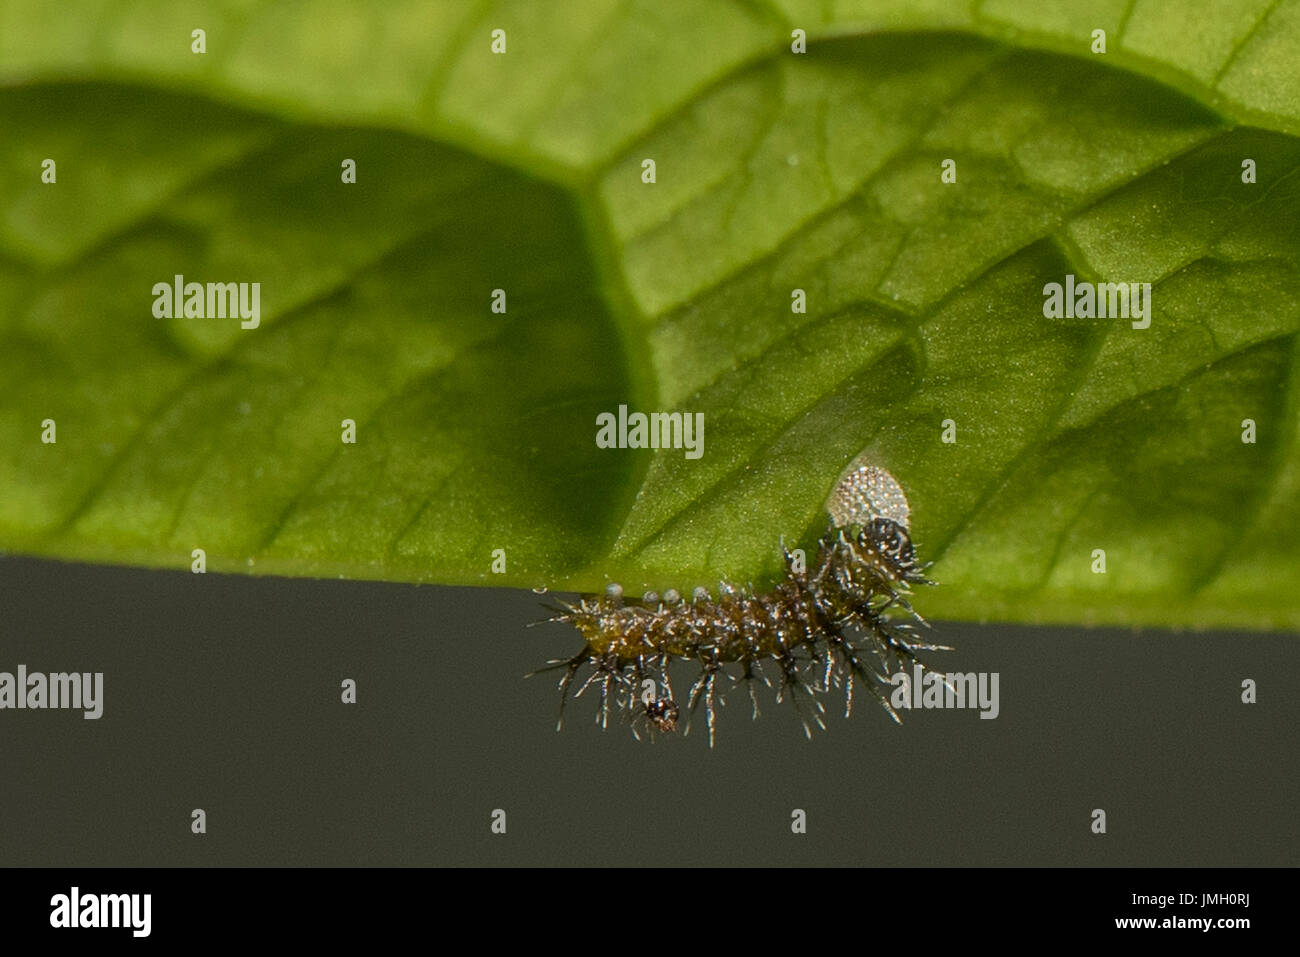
column 807, row 627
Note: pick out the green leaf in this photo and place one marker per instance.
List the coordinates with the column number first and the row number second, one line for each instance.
column 775, row 171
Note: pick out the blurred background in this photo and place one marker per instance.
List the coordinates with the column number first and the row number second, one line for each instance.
column 223, row 693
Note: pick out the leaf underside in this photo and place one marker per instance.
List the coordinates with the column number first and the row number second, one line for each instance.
column 775, row 171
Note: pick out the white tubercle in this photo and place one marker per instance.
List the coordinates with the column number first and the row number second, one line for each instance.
column 865, row 492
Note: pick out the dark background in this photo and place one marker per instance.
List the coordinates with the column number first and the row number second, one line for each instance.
column 223, row 692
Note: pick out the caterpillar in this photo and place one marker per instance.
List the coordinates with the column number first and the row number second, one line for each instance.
column 822, row 627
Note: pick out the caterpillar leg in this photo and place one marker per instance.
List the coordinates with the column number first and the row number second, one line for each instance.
column 571, row 667
column 792, row 683
column 705, row 687
column 747, row 676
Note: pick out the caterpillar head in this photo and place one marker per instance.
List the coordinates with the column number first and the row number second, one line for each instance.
column 873, row 547
column 865, row 493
